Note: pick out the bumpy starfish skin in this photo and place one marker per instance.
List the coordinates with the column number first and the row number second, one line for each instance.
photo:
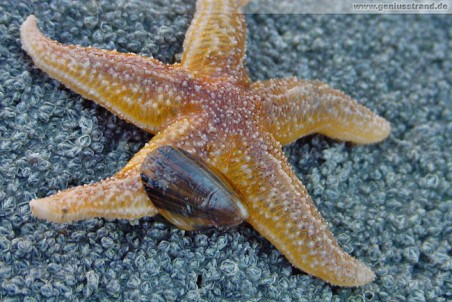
column 207, row 106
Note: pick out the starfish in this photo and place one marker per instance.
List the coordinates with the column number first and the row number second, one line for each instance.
column 207, row 106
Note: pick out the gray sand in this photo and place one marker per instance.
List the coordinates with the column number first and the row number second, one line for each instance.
column 388, row 204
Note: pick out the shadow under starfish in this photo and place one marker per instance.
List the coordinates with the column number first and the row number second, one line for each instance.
column 207, row 106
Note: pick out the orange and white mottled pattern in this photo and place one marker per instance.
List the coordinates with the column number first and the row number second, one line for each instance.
column 207, row 106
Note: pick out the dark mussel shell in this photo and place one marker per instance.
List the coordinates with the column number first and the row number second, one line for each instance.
column 188, row 193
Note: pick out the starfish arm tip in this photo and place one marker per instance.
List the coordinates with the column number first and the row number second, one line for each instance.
column 29, row 23
column 347, row 270
column 385, row 129
column 379, row 131
column 40, row 209
column 28, row 31
column 57, row 208
column 366, row 275
column 329, row 262
column 363, row 275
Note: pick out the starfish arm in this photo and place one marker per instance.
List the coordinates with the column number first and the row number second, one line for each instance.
column 141, row 90
column 119, row 197
column 282, row 211
column 215, row 42
column 122, row 198
column 296, row 108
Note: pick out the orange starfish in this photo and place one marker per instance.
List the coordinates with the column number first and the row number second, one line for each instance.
column 207, row 106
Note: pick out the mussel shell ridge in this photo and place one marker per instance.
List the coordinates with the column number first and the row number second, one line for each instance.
column 189, row 193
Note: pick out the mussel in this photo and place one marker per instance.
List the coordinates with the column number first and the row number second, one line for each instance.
column 189, row 193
